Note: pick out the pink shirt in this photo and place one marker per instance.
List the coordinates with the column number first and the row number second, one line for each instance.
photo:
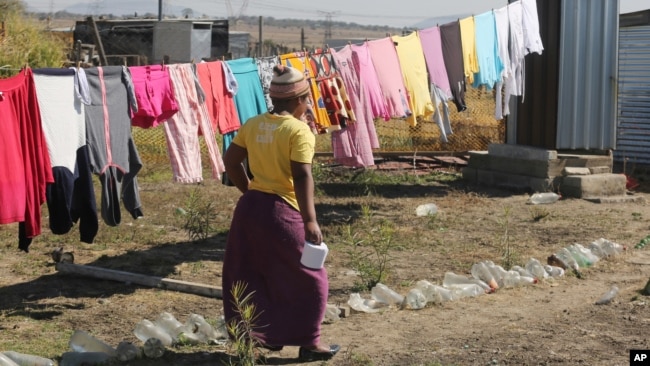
column 389, row 73
column 432, row 49
column 368, row 77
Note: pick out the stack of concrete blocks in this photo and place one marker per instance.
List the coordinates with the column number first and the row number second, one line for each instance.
column 531, row 169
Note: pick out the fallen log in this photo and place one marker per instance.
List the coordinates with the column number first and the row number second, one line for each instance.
column 128, row 277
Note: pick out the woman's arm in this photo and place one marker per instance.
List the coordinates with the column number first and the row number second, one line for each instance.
column 232, row 160
column 303, row 183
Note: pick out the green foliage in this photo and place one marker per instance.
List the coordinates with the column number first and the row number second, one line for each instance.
column 244, row 342
column 25, row 42
column 199, row 216
column 537, row 213
column 369, row 252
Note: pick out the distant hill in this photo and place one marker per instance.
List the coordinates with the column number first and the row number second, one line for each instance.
column 131, row 8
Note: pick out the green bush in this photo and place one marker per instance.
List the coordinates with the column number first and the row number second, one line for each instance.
column 25, row 42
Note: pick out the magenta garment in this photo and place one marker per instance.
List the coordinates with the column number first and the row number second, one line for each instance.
column 432, row 49
column 389, row 73
column 263, row 251
column 155, row 95
column 368, row 77
column 352, row 146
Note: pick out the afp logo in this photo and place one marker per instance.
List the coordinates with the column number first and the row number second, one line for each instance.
column 639, row 357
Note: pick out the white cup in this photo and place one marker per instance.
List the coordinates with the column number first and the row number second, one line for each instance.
column 313, row 256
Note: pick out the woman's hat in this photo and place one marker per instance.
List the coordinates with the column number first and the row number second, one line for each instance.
column 287, row 83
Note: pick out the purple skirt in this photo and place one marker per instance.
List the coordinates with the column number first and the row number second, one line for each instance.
column 263, row 251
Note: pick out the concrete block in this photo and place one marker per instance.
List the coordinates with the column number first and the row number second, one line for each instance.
column 587, row 161
column 469, row 174
column 594, row 185
column 521, row 152
column 517, row 166
column 600, row 169
column 513, row 182
column 575, row 171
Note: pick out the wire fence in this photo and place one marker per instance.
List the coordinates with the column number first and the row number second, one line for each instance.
column 473, row 129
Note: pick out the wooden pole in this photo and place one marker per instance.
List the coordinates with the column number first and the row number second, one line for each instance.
column 150, row 281
column 98, row 41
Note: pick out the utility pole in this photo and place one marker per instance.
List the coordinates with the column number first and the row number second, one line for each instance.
column 328, row 23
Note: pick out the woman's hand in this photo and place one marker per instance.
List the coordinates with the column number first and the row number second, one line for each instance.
column 313, row 233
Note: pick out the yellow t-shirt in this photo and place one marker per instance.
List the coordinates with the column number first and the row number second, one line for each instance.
column 272, row 142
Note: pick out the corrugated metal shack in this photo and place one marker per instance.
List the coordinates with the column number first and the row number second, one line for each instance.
column 135, row 37
column 633, row 130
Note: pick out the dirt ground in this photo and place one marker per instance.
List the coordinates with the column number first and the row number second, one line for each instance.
column 554, row 322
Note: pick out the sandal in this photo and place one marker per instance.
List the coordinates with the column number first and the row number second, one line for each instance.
column 307, row 355
column 271, row 348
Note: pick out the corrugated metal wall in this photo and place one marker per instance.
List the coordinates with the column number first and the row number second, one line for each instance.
column 570, row 98
column 633, row 135
column 587, row 78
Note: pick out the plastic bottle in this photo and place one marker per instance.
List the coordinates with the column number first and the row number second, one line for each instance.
column 169, row 324
column 202, row 328
column 536, row 269
column 580, row 258
column 23, row 359
column 554, row 271
column 6, row 361
column 153, row 348
column 428, row 209
column 480, row 271
column 127, row 351
column 587, row 253
column 604, row 248
column 566, row 258
column 451, row 279
column 332, row 313
column 467, row 290
column 609, row 295
column 220, row 329
column 84, row 358
column 415, row 299
column 544, row 198
column 434, row 293
column 360, row 304
column 514, row 279
column 383, row 293
column 522, row 271
column 81, row 341
column 146, row 329
column 497, row 271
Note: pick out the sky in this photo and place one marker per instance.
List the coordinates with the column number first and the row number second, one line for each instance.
column 394, row 13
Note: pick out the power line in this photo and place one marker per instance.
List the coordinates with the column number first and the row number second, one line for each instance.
column 328, row 22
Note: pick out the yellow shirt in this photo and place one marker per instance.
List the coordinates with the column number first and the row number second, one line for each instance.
column 468, row 40
column 272, row 142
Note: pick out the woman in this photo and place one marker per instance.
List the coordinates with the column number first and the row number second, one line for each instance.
column 273, row 219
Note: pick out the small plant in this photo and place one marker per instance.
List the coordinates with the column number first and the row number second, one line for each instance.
column 199, row 216
column 508, row 257
column 370, row 260
column 537, row 213
column 241, row 329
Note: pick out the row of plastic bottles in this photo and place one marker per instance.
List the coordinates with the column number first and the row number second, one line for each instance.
column 163, row 332
column 11, row 358
column 169, row 330
column 487, row 277
column 576, row 256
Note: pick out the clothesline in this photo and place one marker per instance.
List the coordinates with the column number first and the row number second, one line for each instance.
column 82, row 122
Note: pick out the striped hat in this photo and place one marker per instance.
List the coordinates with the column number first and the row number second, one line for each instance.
column 287, row 83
